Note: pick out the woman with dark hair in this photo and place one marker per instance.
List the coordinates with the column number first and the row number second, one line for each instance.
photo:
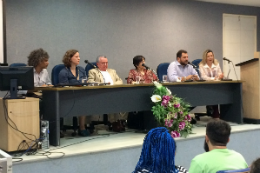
column 140, row 73
column 158, row 153
column 73, row 74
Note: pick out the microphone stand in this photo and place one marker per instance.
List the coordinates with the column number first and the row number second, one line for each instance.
column 154, row 73
column 152, row 70
column 229, row 69
column 196, row 68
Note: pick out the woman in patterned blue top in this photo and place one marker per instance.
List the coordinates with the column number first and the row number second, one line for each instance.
column 73, row 74
column 158, row 153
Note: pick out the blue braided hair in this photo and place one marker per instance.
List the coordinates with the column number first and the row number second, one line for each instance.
column 158, row 152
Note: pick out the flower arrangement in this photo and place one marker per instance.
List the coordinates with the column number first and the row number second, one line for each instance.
column 171, row 112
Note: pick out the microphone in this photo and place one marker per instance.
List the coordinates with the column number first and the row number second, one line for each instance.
column 227, row 60
column 86, row 61
column 146, row 66
column 194, row 66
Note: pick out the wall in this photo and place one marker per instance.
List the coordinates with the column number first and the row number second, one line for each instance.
column 119, row 29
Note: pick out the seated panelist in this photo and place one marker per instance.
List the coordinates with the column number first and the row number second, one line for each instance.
column 39, row 59
column 180, row 70
column 73, row 74
column 103, row 74
column 209, row 67
column 210, row 70
column 144, row 75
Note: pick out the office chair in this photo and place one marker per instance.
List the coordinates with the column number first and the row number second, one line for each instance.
column 197, row 62
column 55, row 80
column 17, row 65
column 89, row 67
column 162, row 70
column 246, row 170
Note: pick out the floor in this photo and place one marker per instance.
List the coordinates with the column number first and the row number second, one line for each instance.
column 103, row 141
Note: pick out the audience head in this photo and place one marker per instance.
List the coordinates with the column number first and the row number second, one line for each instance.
column 102, row 62
column 255, row 167
column 182, row 57
column 38, row 57
column 208, row 58
column 158, row 152
column 138, row 61
column 218, row 132
column 71, row 57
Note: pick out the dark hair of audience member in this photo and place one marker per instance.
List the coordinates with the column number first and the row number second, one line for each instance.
column 137, row 59
column 206, row 147
column 255, row 167
column 179, row 53
column 68, row 55
column 218, row 132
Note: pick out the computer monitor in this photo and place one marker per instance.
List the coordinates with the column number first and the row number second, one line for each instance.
column 16, row 78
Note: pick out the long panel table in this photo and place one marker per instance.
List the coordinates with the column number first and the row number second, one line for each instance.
column 90, row 100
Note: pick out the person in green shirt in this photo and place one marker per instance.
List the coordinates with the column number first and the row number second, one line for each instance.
column 217, row 156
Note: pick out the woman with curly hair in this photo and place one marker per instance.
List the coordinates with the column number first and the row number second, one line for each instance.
column 39, row 59
column 73, row 74
column 158, row 153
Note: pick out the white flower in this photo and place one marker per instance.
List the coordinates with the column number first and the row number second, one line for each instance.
column 157, row 84
column 156, row 98
column 168, row 91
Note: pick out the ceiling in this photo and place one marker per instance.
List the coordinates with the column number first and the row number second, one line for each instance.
column 255, row 3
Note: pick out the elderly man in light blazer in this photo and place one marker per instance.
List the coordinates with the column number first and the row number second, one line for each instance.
column 103, row 74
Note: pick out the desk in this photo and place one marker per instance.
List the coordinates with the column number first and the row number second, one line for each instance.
column 89, row 100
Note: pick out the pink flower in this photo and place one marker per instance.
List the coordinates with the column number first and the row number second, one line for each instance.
column 164, row 103
column 168, row 123
column 182, row 125
column 181, row 112
column 175, row 116
column 188, row 117
column 175, row 134
column 166, row 98
column 177, row 105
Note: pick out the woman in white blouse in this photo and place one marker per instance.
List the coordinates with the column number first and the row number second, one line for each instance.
column 210, row 70
column 209, row 67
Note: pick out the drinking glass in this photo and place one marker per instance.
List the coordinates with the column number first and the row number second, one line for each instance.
column 84, row 79
column 219, row 75
column 164, row 78
column 137, row 79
